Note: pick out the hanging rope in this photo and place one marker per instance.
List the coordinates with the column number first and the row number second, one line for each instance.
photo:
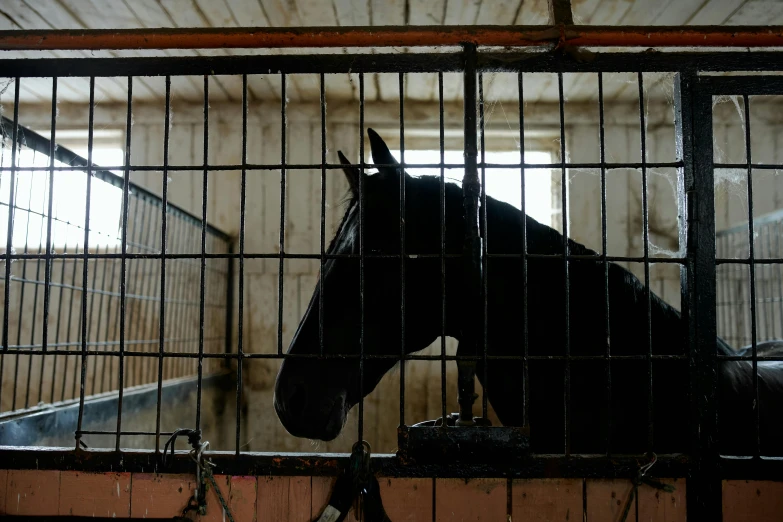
column 358, row 484
column 198, row 501
column 642, row 478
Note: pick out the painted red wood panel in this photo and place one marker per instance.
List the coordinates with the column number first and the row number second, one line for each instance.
column 95, row 494
column 407, row 499
column 606, row 500
column 160, row 496
column 752, row 500
column 546, row 500
column 477, row 500
column 31, row 492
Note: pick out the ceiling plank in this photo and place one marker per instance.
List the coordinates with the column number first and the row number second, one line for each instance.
column 757, row 12
column 221, row 14
column 150, row 14
column 717, row 12
column 356, row 13
column 70, row 89
column 424, row 87
column 459, row 12
column 185, row 13
column 533, row 12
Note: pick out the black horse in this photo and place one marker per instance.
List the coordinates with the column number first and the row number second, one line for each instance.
column 313, row 396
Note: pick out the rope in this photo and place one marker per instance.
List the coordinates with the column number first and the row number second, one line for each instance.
column 198, row 501
column 642, row 478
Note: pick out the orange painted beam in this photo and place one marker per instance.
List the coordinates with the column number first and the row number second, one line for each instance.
column 387, row 36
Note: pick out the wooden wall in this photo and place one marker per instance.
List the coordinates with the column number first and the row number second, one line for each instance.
column 302, row 498
column 261, row 429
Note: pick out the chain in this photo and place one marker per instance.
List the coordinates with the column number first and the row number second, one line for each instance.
column 642, row 478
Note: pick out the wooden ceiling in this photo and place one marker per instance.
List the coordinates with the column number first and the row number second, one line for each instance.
column 105, row 14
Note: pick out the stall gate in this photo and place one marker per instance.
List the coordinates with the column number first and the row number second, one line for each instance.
column 415, row 484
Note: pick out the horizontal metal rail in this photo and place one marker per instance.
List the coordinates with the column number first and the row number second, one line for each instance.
column 385, row 36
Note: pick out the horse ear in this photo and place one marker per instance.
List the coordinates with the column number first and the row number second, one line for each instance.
column 381, row 154
column 351, row 174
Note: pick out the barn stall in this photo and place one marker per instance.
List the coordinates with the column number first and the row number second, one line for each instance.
column 122, row 345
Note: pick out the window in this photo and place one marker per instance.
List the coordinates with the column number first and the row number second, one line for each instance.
column 503, row 184
column 31, row 195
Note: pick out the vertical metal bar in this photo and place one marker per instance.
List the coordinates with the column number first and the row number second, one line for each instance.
column 148, row 243
column 607, row 333
column 523, row 217
column 241, row 306
column 752, row 266
column 693, row 126
column 41, row 246
column 442, row 204
column 99, row 374
column 11, row 206
column 9, row 239
column 138, row 236
column 779, row 273
column 471, row 188
column 123, row 257
column 646, row 239
column 361, row 257
column 85, row 266
column 204, row 189
column 163, row 248
column 70, row 323
column 92, row 322
column 281, row 268
column 567, row 315
column 401, row 78
column 484, row 261
column 48, row 255
column 23, row 285
column 59, row 318
column 323, row 221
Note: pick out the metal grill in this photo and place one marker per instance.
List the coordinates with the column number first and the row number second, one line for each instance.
column 85, row 311
column 697, row 262
column 734, row 309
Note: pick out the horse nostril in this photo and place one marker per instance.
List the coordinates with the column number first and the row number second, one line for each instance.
column 297, row 400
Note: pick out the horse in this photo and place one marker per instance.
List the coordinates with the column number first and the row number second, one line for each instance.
column 609, row 407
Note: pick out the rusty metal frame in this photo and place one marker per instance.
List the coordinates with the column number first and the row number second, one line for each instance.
column 385, row 36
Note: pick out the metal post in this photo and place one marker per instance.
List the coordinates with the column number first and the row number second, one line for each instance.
column 693, row 122
column 472, row 273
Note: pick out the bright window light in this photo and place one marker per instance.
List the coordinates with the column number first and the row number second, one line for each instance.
column 31, row 194
column 503, row 184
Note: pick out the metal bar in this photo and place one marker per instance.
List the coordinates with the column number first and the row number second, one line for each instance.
column 322, row 245
column 471, row 249
column 361, row 257
column 85, row 265
column 259, row 464
column 401, row 173
column 11, row 204
column 48, row 262
column 442, row 205
column 607, row 328
column 484, row 242
column 566, row 285
column 282, row 166
column 523, row 258
column 385, row 36
column 693, row 119
column 241, row 290
column 202, row 279
column 163, row 248
column 646, row 249
column 45, row 257
column 123, row 263
column 752, row 275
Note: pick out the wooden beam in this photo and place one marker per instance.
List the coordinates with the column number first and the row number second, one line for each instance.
column 386, row 36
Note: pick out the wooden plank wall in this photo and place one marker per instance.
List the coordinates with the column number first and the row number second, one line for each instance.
column 260, row 428
column 301, row 499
